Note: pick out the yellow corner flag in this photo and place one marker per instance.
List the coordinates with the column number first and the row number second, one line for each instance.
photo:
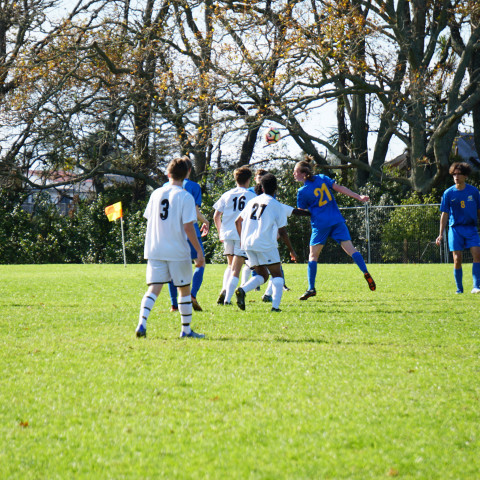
column 114, row 211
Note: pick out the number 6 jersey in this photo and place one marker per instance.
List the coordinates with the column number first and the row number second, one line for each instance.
column 230, row 204
column 168, row 209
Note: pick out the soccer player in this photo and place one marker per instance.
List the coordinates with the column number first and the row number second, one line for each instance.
column 460, row 208
column 196, row 191
column 258, row 225
column 170, row 215
column 316, row 195
column 227, row 208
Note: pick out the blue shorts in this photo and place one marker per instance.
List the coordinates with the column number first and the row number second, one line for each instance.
column 461, row 237
column 193, row 252
column 339, row 232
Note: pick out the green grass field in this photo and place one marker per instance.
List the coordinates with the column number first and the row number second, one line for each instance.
column 350, row 384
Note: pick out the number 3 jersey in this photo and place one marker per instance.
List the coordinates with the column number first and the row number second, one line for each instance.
column 461, row 205
column 317, row 196
column 230, row 204
column 262, row 217
column 168, row 209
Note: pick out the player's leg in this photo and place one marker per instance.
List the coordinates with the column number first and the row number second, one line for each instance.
column 254, row 282
column 458, row 270
column 237, row 263
column 277, row 285
column 226, row 277
column 172, row 290
column 197, row 279
column 357, row 257
column 476, row 269
column 156, row 276
column 315, row 251
column 246, row 272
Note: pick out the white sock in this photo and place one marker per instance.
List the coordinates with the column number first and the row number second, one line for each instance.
column 253, row 283
column 226, row 277
column 278, row 283
column 246, row 274
column 148, row 301
column 185, row 309
column 269, row 289
column 232, row 285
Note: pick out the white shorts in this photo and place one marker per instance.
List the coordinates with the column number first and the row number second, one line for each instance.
column 232, row 247
column 160, row 271
column 258, row 259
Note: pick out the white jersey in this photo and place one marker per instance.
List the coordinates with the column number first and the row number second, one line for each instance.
column 169, row 208
column 230, row 204
column 262, row 217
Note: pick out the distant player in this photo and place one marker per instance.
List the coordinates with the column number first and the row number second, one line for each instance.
column 316, row 195
column 227, row 209
column 460, row 208
column 170, row 215
column 195, row 190
column 262, row 219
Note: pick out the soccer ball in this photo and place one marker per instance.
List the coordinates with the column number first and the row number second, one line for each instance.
column 272, row 136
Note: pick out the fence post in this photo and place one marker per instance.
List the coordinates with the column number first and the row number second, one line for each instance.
column 367, row 232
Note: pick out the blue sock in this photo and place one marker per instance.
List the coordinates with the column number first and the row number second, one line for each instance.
column 197, row 280
column 476, row 275
column 312, row 274
column 458, row 274
column 358, row 259
column 173, row 294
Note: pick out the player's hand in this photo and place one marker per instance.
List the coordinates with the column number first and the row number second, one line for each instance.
column 293, row 257
column 364, row 198
column 439, row 239
column 204, row 229
column 200, row 260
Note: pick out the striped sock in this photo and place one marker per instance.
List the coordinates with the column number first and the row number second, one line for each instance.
column 148, row 301
column 185, row 309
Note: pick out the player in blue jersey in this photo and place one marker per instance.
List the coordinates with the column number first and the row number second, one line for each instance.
column 195, row 190
column 316, row 195
column 460, row 208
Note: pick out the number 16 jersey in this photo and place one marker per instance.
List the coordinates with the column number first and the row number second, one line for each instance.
column 169, row 208
column 317, row 196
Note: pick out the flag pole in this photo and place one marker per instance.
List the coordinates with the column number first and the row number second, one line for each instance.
column 123, row 243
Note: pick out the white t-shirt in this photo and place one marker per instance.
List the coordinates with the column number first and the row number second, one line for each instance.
column 230, row 204
column 262, row 217
column 169, row 208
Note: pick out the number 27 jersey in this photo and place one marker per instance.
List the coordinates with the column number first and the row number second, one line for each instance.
column 169, row 208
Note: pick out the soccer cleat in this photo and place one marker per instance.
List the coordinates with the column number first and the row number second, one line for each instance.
column 275, row 309
column 240, row 294
column 173, row 308
column 195, row 305
column 257, row 289
column 221, row 298
column 475, row 290
column 192, row 334
column 460, row 291
column 285, row 288
column 141, row 331
column 227, row 303
column 308, row 294
column 267, row 298
column 370, row 281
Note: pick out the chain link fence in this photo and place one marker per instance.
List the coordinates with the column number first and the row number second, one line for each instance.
column 392, row 234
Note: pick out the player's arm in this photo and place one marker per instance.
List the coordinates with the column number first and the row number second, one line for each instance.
column 282, row 232
column 217, row 220
column 192, row 236
column 350, row 193
column 443, row 225
column 201, row 219
column 301, row 212
column 238, row 225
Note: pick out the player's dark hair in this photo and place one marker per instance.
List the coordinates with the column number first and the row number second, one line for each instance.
column 269, row 184
column 178, row 168
column 306, row 167
column 461, row 167
column 260, row 172
column 242, row 175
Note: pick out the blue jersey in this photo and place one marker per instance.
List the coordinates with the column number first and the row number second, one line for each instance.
column 196, row 191
column 461, row 205
column 317, row 196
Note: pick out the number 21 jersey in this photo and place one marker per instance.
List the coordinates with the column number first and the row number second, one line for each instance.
column 168, row 209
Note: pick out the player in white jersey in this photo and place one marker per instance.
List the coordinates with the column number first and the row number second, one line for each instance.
column 227, row 208
column 170, row 215
column 258, row 225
